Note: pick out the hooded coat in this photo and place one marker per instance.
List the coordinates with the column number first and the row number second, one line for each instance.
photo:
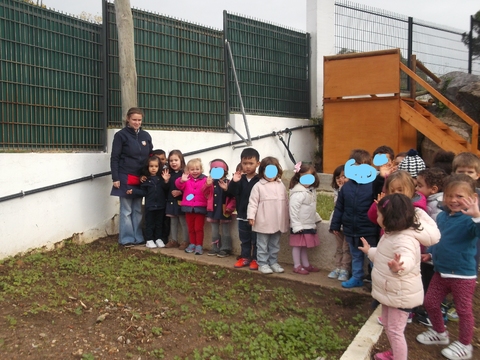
column 403, row 290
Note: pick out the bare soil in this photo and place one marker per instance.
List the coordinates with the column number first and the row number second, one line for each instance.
column 78, row 321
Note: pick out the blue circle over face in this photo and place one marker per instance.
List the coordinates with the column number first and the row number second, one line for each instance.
column 271, row 171
column 307, row 179
column 217, row 173
column 380, row 159
column 190, row 197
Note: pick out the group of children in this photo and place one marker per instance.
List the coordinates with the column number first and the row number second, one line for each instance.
column 419, row 228
column 180, row 194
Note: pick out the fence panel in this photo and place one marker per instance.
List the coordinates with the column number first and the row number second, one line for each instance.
column 272, row 68
column 180, row 73
column 360, row 28
column 49, row 80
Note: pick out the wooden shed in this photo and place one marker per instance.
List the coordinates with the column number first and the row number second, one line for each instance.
column 361, row 106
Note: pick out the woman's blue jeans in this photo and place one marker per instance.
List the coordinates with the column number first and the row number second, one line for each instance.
column 130, row 228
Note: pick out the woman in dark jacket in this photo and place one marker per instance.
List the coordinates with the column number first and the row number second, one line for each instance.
column 130, row 150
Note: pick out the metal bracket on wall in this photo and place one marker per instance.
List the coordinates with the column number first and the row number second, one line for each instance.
column 248, row 140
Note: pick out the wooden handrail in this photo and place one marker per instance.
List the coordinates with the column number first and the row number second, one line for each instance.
column 448, row 103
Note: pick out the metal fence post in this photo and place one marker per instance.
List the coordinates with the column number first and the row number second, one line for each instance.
column 409, row 46
column 225, row 69
column 104, row 72
column 470, row 46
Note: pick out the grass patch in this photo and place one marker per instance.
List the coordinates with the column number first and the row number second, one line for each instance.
column 325, row 205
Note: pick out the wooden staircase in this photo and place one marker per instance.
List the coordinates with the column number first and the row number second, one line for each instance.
column 432, row 127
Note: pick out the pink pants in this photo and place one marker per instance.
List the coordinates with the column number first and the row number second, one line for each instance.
column 195, row 224
column 394, row 321
column 462, row 291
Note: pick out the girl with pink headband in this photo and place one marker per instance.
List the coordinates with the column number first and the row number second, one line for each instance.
column 219, row 208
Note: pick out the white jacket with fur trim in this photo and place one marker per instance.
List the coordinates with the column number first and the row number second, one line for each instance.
column 403, row 290
column 303, row 208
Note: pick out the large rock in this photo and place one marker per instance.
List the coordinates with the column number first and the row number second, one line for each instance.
column 463, row 90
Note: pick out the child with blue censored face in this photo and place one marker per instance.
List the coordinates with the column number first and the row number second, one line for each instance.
column 303, row 217
column 354, row 200
column 267, row 213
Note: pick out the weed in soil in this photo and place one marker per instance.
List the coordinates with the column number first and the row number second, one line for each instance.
column 99, row 301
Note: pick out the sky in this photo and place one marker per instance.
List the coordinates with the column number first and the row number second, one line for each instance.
column 290, row 13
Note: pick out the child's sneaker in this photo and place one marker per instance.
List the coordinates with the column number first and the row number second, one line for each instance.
column 343, row 275
column 452, row 314
column 253, row 265
column 215, row 249
column 160, row 243
column 352, row 283
column 431, row 337
column 242, row 262
column 386, row 355
column 276, row 268
column 458, row 351
column 190, row 248
column 265, row 269
column 424, row 320
column 198, row 250
column 150, row 244
column 334, row 274
column 223, row 253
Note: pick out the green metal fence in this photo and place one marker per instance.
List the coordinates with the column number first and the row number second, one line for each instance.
column 49, row 80
column 60, row 88
column 272, row 68
column 180, row 73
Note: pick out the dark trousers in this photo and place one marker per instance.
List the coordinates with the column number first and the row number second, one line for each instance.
column 166, row 228
column 248, row 240
column 154, row 224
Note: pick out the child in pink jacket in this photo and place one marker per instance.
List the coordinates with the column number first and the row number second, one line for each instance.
column 267, row 213
column 396, row 279
column 194, row 203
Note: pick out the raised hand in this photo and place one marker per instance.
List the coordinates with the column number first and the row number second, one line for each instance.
column 471, row 205
column 237, row 176
column 166, row 175
column 209, row 180
column 395, row 264
column 380, row 197
column 223, row 184
column 184, row 177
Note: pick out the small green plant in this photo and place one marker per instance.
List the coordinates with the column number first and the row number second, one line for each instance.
column 157, row 331
column 11, row 320
column 157, row 353
column 88, row 356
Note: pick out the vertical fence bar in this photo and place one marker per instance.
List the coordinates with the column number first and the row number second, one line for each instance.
column 470, row 45
column 104, row 78
column 226, row 80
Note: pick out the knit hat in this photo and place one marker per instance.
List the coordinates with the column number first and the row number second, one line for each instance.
column 412, row 163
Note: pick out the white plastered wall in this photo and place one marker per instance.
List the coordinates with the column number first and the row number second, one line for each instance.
column 85, row 210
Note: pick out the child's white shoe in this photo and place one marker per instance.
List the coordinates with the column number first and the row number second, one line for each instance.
column 431, row 337
column 160, row 243
column 150, row 244
column 334, row 274
column 458, row 351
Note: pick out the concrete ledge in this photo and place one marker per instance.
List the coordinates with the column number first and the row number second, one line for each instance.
column 362, row 345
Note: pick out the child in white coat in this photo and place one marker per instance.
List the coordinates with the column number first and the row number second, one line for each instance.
column 396, row 279
column 303, row 217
